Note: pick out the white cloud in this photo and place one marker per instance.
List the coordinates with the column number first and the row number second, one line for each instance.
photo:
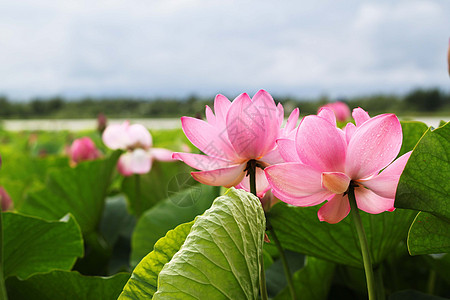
column 177, row 47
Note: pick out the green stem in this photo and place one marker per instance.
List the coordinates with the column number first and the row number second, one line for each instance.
column 252, row 175
column 287, row 272
column 262, row 277
column 3, row 294
column 363, row 241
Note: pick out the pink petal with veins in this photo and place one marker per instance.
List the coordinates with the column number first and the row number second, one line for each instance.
column 280, row 109
column 202, row 162
column 310, row 200
column 360, row 116
column 372, row 203
column 373, row 146
column 253, row 126
column 349, row 130
column 221, row 107
column 335, row 182
column 385, row 183
column 207, row 138
column 320, row 144
column 226, row 177
column 335, row 210
column 287, row 150
column 210, row 117
column 294, row 180
column 272, row 157
column 327, row 114
column 291, row 122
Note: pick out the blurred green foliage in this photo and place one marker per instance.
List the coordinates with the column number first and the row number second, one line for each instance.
column 419, row 101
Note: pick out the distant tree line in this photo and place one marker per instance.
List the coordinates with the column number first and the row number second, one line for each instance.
column 420, row 101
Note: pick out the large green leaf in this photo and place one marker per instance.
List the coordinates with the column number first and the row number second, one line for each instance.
column 412, row 132
column 424, row 186
column 428, row 234
column 29, row 175
column 166, row 215
column 299, row 229
column 33, row 245
column 220, row 257
column 312, row 282
column 80, row 191
column 143, row 281
column 66, row 285
column 144, row 191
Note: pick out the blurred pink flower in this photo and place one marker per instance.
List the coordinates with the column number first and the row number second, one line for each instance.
column 340, row 109
column 137, row 141
column 5, row 200
column 83, row 149
column 238, row 132
column 325, row 160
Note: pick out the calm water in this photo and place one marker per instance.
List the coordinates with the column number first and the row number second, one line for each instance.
column 172, row 123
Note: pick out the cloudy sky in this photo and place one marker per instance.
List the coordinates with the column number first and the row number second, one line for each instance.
column 177, row 47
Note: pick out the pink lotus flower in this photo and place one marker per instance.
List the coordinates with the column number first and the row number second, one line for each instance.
column 83, row 149
column 239, row 131
column 137, row 141
column 324, row 160
column 340, row 109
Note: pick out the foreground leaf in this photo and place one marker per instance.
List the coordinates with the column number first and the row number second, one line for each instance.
column 412, row 132
column 424, row 186
column 143, row 281
column 80, row 191
column 428, row 234
column 312, row 282
column 300, row 230
column 66, row 285
column 424, row 183
column 33, row 245
column 166, row 215
column 220, row 257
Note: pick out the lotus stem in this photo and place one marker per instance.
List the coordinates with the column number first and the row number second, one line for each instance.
column 363, row 242
column 251, row 171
